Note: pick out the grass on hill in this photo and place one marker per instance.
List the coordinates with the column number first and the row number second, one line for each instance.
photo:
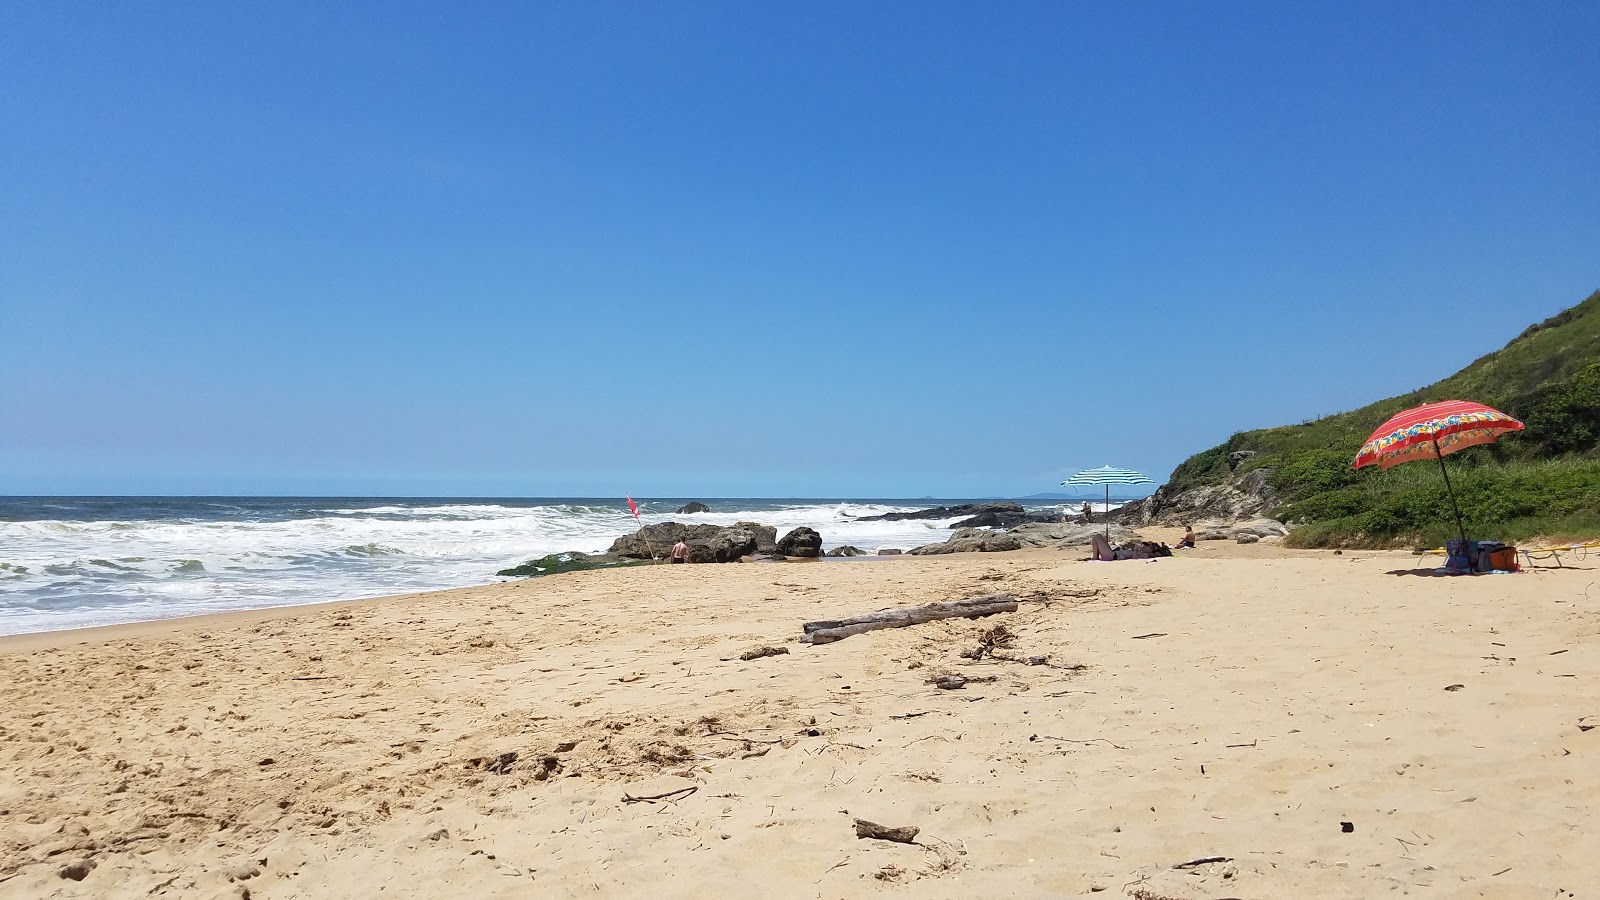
column 1541, row 482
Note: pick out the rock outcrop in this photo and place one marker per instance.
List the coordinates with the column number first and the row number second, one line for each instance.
column 802, row 541
column 1066, row 534
column 972, row 540
column 1261, row 528
column 847, row 550
column 707, row 543
column 1227, row 531
column 766, row 536
column 1248, row 496
column 570, row 561
column 1004, row 507
column 693, row 507
column 1006, row 518
column 1032, row 534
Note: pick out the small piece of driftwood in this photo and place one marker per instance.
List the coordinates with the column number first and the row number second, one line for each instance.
column 759, row 652
column 905, row 834
column 828, row 631
column 1204, row 860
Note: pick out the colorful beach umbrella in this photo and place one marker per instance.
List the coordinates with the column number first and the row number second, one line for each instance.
column 1107, row 475
column 1431, row 432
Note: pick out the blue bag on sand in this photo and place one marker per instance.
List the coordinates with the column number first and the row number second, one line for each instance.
column 1459, row 556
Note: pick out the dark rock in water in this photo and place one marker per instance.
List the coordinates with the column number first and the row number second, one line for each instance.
column 1003, row 507
column 802, row 541
column 848, row 550
column 570, row 561
column 695, row 507
column 1006, row 519
column 889, row 551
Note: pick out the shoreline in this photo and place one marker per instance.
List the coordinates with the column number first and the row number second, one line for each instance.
column 85, row 634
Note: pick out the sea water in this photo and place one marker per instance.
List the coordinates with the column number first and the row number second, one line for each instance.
column 71, row 562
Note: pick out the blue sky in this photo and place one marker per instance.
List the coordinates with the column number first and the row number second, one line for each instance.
column 731, row 249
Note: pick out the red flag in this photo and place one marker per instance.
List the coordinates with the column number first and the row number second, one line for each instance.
column 633, row 506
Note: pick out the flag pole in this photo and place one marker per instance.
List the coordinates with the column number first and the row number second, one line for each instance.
column 640, row 522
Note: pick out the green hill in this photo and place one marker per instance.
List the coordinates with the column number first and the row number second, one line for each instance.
column 1543, row 481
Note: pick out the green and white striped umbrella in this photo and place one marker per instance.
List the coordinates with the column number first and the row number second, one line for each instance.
column 1108, row 475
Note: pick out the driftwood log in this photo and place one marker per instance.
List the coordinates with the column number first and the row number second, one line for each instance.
column 828, row 631
column 905, row 834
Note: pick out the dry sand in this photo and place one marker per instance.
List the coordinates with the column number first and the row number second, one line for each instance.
column 1235, row 702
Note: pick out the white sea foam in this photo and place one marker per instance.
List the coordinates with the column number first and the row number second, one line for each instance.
column 66, row 573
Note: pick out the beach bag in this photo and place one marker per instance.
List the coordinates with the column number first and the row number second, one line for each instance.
column 1483, row 555
column 1458, row 555
column 1501, row 559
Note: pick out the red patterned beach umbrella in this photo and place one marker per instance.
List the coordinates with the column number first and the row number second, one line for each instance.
column 1431, row 432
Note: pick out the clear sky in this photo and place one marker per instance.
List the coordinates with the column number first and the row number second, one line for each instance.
column 735, row 249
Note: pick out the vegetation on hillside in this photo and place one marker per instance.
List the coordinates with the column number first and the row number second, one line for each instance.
column 1543, row 481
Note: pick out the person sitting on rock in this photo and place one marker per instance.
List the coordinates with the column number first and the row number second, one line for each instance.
column 680, row 551
column 1188, row 538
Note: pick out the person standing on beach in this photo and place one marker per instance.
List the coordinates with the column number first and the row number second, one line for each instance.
column 1088, row 513
column 680, row 552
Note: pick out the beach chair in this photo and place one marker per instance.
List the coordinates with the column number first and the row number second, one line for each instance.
column 1579, row 551
column 1102, row 548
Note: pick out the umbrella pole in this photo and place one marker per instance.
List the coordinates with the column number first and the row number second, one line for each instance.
column 1439, row 455
column 1106, row 514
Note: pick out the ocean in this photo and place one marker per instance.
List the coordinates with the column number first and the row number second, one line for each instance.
column 72, row 562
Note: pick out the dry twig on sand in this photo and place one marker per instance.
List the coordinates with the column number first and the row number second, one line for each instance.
column 1203, row 860
column 667, row 796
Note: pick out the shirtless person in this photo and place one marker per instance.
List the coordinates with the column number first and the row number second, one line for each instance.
column 1088, row 513
column 680, row 551
column 1188, row 537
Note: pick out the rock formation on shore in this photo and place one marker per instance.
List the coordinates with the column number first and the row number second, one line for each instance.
column 1247, row 496
column 707, row 543
column 802, row 542
column 1033, row 534
column 693, row 507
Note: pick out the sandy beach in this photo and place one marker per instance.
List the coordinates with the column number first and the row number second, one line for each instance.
column 1313, row 724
